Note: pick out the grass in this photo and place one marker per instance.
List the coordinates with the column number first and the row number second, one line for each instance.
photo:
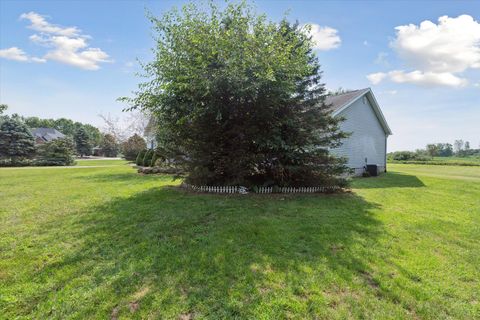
column 446, row 161
column 102, row 162
column 104, row 242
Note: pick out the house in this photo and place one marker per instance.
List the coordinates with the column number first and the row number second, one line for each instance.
column 369, row 130
column 43, row 135
column 149, row 133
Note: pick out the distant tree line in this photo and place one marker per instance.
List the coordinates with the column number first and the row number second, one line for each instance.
column 18, row 147
column 459, row 148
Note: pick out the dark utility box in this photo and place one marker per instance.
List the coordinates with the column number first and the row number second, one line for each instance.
column 372, row 169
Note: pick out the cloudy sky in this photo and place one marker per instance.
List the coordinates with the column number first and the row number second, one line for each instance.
column 422, row 59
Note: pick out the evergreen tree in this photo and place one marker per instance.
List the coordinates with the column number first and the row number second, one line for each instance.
column 58, row 152
column 239, row 99
column 16, row 141
column 109, row 146
column 140, row 156
column 82, row 142
column 147, row 159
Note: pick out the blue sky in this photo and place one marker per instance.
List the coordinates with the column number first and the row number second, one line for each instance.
column 74, row 58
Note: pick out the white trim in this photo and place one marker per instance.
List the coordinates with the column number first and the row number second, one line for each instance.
column 375, row 106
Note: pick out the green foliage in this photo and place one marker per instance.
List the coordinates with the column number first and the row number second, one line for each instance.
column 58, row 152
column 140, row 156
column 419, row 155
column 65, row 126
column 3, row 108
column 147, row 159
column 132, row 146
column 157, row 157
column 109, row 146
column 239, row 99
column 16, row 141
column 82, row 142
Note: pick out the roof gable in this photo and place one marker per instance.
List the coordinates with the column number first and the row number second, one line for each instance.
column 340, row 102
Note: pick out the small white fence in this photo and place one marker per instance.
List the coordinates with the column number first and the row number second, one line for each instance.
column 263, row 190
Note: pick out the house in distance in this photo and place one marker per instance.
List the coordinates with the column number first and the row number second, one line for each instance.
column 43, row 135
column 364, row 120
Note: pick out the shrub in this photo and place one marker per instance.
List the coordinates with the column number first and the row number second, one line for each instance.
column 147, row 158
column 132, row 147
column 140, row 156
column 402, row 155
column 58, row 152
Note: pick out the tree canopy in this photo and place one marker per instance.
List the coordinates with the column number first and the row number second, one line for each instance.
column 132, row 147
column 66, row 126
column 239, row 99
column 109, row 145
column 58, row 152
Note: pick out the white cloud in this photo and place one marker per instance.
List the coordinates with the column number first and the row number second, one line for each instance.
column 376, row 78
column 72, row 50
column 419, row 77
column 13, row 53
column 39, row 23
column 66, row 45
column 18, row 54
column 438, row 53
column 427, row 78
column 324, row 38
column 451, row 46
column 365, row 43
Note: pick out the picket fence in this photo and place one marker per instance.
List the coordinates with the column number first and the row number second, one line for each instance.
column 262, row 190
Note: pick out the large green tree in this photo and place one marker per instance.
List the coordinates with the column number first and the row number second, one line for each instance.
column 82, row 142
column 239, row 99
column 109, row 145
column 16, row 141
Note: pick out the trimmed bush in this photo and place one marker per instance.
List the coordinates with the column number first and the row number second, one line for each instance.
column 140, row 156
column 147, row 159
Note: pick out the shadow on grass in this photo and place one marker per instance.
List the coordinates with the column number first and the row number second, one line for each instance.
column 167, row 253
column 388, row 180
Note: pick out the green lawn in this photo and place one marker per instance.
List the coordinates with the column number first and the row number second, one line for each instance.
column 91, row 163
column 106, row 243
column 456, row 161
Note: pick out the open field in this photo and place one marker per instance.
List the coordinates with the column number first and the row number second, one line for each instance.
column 108, row 243
column 455, row 161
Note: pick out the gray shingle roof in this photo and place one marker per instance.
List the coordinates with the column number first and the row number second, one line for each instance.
column 338, row 101
column 47, row 134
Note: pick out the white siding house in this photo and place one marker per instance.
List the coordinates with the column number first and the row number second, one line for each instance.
column 369, row 130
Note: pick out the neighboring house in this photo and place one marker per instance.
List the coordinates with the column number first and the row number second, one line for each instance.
column 43, row 135
column 369, row 130
column 150, row 133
